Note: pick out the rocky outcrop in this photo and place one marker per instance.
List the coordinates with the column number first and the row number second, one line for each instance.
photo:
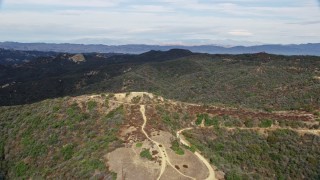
column 78, row 58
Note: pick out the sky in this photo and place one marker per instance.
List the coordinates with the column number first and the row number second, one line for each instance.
column 183, row 22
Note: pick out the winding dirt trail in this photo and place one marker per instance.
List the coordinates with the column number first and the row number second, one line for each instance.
column 164, row 156
column 163, row 161
column 212, row 175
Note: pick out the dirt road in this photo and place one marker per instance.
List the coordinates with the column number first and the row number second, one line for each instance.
column 164, row 156
column 203, row 159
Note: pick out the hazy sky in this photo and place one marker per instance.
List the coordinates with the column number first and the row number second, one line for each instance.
column 160, row 21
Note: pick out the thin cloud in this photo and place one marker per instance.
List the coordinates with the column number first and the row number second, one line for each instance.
column 161, row 21
column 240, row 33
column 306, row 22
column 151, row 8
column 68, row 3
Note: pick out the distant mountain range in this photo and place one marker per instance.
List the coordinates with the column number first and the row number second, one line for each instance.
column 298, row 49
column 261, row 81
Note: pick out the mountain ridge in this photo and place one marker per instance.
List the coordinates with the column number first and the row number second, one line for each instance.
column 290, row 49
column 262, row 81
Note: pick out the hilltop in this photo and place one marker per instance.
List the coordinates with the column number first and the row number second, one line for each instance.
column 141, row 135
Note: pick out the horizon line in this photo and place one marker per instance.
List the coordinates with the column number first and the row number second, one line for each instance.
column 161, row 45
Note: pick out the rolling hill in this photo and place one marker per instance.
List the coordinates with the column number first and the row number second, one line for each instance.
column 261, row 81
column 159, row 115
column 138, row 135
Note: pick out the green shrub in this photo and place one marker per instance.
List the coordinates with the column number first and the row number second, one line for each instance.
column 207, row 120
column 265, row 123
column 81, row 117
column 53, row 139
column 37, row 149
column 114, row 112
column 67, row 151
column 191, row 148
column 93, row 164
column 179, row 151
column 212, row 121
column 249, row 123
column 92, row 105
column 139, row 144
column 293, row 124
column 58, row 124
column 199, row 119
column 218, row 147
column 175, row 146
column 20, row 169
column 166, row 119
column 71, row 111
column 233, row 175
column 106, row 102
column 146, row 154
column 230, row 121
column 136, row 99
column 32, row 147
column 56, row 108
